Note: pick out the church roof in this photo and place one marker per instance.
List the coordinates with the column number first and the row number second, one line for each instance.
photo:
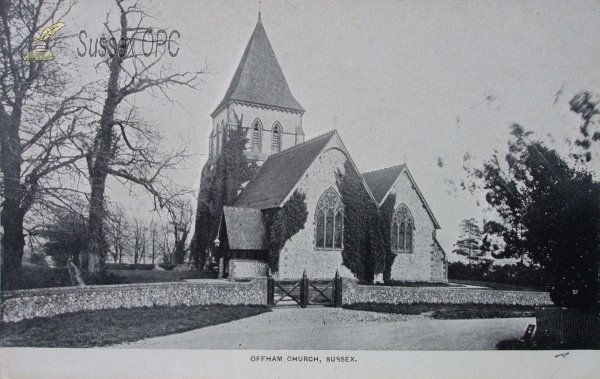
column 246, row 228
column 259, row 78
column 279, row 174
column 381, row 181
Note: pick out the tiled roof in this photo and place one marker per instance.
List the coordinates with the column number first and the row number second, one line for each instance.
column 246, row 228
column 279, row 174
column 259, row 78
column 381, row 181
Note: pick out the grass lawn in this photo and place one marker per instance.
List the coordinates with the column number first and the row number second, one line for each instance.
column 395, row 283
column 449, row 311
column 115, row 326
column 35, row 277
column 495, row 286
column 43, row 277
column 152, row 276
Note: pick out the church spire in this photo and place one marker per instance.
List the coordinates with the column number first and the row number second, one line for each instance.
column 259, row 78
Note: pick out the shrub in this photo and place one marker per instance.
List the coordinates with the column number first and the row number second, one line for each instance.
column 364, row 252
column 103, row 278
column 283, row 224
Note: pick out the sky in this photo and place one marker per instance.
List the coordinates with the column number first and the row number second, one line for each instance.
column 421, row 82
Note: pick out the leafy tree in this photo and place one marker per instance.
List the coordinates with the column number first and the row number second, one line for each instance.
column 550, row 212
column 470, row 240
column 587, row 106
column 220, row 185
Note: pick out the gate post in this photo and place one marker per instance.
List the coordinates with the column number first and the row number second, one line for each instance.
column 270, row 288
column 337, row 290
column 304, row 291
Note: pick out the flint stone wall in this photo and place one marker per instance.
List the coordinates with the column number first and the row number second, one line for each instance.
column 246, row 268
column 300, row 252
column 426, row 262
column 354, row 293
column 26, row 304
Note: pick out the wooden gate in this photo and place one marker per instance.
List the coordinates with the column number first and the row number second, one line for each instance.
column 304, row 292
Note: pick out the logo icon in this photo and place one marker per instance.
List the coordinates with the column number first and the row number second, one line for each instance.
column 40, row 52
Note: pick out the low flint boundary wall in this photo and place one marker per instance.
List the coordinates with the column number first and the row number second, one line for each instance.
column 354, row 293
column 46, row 302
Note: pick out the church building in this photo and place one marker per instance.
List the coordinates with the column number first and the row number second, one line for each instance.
column 260, row 96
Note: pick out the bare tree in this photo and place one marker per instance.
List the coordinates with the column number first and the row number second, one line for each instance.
column 154, row 241
column 40, row 114
column 117, row 234
column 167, row 249
column 124, row 146
column 139, row 240
column 181, row 214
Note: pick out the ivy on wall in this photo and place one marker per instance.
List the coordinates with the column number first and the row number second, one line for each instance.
column 385, row 214
column 364, row 251
column 283, row 224
column 219, row 186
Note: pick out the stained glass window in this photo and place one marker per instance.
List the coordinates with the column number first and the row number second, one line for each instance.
column 330, row 221
column 339, row 223
column 402, row 230
column 320, row 228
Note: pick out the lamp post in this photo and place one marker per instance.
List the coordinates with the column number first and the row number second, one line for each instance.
column 217, row 243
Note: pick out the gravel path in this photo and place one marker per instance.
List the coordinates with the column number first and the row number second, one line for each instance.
column 341, row 329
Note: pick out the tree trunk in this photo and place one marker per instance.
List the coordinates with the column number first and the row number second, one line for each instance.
column 93, row 260
column 13, row 239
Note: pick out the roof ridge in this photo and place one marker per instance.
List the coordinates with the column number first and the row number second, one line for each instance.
column 300, row 144
column 385, row 168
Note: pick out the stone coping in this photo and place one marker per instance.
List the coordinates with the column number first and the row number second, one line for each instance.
column 444, row 288
column 113, row 287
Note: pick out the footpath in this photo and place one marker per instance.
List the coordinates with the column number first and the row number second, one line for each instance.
column 320, row 328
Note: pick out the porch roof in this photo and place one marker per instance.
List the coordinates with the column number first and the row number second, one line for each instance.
column 246, row 228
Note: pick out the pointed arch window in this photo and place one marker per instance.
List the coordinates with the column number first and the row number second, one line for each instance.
column 256, row 135
column 276, row 139
column 329, row 221
column 218, row 137
column 402, row 230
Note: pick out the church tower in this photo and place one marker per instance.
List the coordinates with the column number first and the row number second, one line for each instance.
column 260, row 96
